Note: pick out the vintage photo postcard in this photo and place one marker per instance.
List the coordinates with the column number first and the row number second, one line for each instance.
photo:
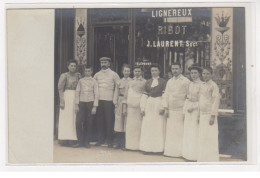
column 144, row 84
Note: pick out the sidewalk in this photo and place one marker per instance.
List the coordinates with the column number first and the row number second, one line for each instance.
column 106, row 155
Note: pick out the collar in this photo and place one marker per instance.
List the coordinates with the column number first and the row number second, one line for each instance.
column 125, row 78
column 197, row 80
column 208, row 82
column 139, row 78
column 87, row 78
column 156, row 78
column 178, row 77
column 106, row 70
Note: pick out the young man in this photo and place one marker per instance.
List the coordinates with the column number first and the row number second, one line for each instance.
column 106, row 79
column 86, row 106
column 173, row 102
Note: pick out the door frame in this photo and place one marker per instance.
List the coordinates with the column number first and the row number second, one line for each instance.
column 91, row 32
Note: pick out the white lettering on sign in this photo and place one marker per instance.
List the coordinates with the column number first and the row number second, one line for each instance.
column 172, row 13
column 171, row 43
column 170, row 29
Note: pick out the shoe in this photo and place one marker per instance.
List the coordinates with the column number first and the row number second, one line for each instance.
column 87, row 145
column 98, row 144
column 110, row 145
column 76, row 146
column 117, row 147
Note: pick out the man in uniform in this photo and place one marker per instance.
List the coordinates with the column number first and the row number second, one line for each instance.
column 173, row 101
column 106, row 79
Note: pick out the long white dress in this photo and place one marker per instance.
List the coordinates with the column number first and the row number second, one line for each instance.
column 173, row 100
column 67, row 117
column 153, row 125
column 191, row 124
column 208, row 149
column 134, row 91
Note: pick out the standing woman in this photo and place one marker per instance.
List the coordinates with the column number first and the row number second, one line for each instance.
column 153, row 125
column 67, row 118
column 191, row 111
column 119, row 127
column 132, row 111
column 208, row 150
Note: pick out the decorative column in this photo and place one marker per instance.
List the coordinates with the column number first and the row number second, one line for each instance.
column 80, row 42
column 221, row 51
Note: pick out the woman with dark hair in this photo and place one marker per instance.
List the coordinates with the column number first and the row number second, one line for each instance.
column 153, row 125
column 67, row 118
column 191, row 112
column 209, row 98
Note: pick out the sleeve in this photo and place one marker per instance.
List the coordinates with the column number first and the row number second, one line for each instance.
column 215, row 100
column 61, row 86
column 126, row 94
column 165, row 97
column 144, row 96
column 96, row 93
column 116, row 93
column 77, row 93
column 187, row 87
column 95, row 76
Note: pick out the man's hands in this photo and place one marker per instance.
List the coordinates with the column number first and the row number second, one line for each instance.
column 94, row 110
column 76, row 108
column 62, row 104
column 212, row 120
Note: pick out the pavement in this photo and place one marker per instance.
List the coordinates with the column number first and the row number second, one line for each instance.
column 103, row 154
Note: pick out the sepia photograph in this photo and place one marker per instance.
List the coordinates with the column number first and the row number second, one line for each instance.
column 131, row 84
column 150, row 85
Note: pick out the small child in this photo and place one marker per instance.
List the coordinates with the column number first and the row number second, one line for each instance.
column 86, row 106
column 119, row 127
column 209, row 98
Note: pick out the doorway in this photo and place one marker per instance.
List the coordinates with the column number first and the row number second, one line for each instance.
column 111, row 41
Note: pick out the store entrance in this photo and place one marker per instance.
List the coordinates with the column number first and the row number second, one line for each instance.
column 111, row 41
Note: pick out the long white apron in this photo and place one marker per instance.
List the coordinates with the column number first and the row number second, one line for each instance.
column 153, row 127
column 174, row 133
column 133, row 120
column 208, row 150
column 67, row 118
column 119, row 119
column 191, row 134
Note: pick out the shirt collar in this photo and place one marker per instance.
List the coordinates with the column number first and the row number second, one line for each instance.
column 87, row 78
column 197, row 80
column 178, row 77
column 139, row 78
column 125, row 78
column 156, row 78
column 106, row 70
column 208, row 82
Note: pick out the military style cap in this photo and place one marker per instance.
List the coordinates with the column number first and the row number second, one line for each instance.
column 105, row 59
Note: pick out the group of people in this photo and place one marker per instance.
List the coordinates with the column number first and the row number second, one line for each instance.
column 176, row 118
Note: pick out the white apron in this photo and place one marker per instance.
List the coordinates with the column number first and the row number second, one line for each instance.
column 119, row 119
column 133, row 120
column 191, row 134
column 67, row 118
column 208, row 139
column 153, row 127
column 174, row 133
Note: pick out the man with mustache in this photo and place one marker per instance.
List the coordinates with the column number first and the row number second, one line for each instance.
column 173, row 101
column 106, row 79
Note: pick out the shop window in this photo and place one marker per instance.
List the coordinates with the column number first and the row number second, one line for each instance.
column 165, row 36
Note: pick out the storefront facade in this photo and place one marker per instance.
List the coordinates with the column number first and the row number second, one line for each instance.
column 208, row 36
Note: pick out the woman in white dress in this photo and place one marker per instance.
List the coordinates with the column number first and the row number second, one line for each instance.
column 154, row 122
column 132, row 111
column 67, row 118
column 191, row 118
column 208, row 150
